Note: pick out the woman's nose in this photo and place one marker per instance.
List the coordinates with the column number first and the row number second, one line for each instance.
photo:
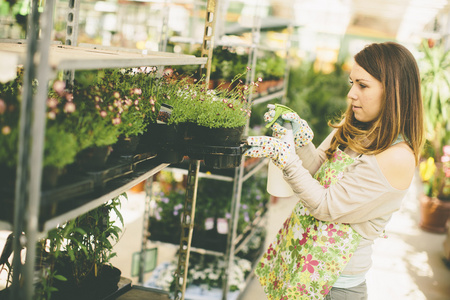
column 351, row 94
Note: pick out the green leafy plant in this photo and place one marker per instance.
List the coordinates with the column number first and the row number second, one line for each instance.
column 59, row 144
column 217, row 108
column 317, row 96
column 435, row 76
column 84, row 245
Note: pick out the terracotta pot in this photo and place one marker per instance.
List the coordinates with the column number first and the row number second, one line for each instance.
column 434, row 214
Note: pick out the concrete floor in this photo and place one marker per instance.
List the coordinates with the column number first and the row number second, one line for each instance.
column 407, row 265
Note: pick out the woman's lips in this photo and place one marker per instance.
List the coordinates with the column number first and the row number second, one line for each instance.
column 356, row 107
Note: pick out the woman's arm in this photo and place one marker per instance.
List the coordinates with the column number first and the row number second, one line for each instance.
column 312, row 157
column 363, row 193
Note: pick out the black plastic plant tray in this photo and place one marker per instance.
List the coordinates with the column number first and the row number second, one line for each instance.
column 101, row 177
column 216, row 157
column 77, row 186
column 136, row 158
column 124, row 165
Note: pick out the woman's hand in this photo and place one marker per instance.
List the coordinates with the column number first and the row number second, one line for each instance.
column 303, row 134
column 266, row 146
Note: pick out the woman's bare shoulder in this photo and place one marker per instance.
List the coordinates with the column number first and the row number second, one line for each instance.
column 398, row 165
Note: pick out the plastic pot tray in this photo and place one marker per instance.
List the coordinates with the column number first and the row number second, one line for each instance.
column 216, row 157
column 79, row 184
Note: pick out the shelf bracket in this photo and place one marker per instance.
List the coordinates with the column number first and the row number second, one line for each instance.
column 71, row 33
column 187, row 228
column 208, row 36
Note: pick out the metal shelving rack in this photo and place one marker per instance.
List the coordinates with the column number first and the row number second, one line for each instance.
column 234, row 241
column 41, row 58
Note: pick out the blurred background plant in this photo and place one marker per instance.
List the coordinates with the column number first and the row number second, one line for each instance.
column 435, row 75
column 317, row 96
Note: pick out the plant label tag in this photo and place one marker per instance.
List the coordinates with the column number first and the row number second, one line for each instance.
column 222, row 226
column 209, row 223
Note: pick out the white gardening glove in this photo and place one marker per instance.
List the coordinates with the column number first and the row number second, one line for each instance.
column 303, row 134
column 266, row 146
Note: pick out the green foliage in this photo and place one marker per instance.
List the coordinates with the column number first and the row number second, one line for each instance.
column 85, row 243
column 435, row 77
column 317, row 97
column 218, row 108
column 270, row 66
column 60, row 143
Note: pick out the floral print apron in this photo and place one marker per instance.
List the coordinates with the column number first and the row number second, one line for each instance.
column 308, row 255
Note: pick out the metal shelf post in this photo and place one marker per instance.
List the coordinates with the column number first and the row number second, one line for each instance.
column 187, row 228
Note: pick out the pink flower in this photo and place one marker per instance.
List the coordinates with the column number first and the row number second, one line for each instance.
column 259, row 79
column 445, row 159
column 230, row 105
column 52, row 102
column 137, row 91
column 248, row 68
column 446, row 150
column 103, row 113
column 309, row 263
column 325, row 290
column 59, row 86
column 116, row 121
column 116, row 95
column 69, row 107
column 331, row 229
column 69, row 97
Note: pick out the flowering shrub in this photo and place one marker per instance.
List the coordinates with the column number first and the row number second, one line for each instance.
column 436, row 175
column 60, row 143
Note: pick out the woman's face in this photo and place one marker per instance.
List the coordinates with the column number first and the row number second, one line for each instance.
column 366, row 94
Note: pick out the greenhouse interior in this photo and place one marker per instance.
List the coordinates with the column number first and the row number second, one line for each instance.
column 133, row 161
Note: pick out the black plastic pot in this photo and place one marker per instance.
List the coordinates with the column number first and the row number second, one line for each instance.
column 214, row 136
column 90, row 288
column 126, row 145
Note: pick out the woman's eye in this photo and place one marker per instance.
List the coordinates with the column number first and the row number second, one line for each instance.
column 363, row 86
column 350, row 82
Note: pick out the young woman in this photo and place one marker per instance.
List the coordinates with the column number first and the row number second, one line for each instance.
column 350, row 185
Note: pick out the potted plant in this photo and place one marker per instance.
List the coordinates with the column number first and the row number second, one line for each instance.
column 95, row 124
column 435, row 76
column 435, row 202
column 59, row 144
column 130, row 92
column 211, row 111
column 74, row 258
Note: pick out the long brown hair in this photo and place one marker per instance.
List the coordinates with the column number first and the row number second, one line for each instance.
column 402, row 111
